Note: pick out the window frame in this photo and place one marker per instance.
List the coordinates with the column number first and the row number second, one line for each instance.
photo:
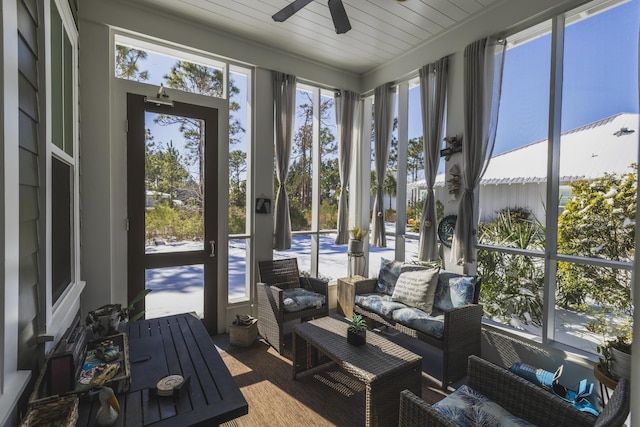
column 554, row 188
column 59, row 314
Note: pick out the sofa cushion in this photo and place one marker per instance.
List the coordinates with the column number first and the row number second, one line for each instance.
column 296, row 299
column 417, row 319
column 416, row 288
column 467, row 407
column 454, row 290
column 388, row 275
column 378, row 303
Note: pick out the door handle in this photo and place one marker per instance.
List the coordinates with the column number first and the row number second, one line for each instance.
column 213, row 248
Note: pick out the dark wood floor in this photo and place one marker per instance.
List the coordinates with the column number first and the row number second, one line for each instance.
column 327, row 397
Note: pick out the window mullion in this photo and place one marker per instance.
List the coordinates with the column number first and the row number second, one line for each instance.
column 401, row 177
column 315, row 183
column 553, row 167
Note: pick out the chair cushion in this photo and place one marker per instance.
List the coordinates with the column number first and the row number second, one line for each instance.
column 417, row 319
column 417, row 288
column 388, row 275
column 467, row 407
column 454, row 290
column 296, row 299
column 378, row 303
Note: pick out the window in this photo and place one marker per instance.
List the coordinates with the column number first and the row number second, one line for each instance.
column 63, row 155
column 580, row 207
column 312, row 185
column 239, row 152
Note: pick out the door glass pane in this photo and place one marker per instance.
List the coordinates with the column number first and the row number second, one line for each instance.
column 174, row 183
column 174, row 290
column 239, row 287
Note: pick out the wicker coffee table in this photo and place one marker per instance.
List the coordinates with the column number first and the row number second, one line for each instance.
column 384, row 367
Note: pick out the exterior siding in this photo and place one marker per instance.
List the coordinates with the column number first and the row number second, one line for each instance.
column 494, row 198
column 28, row 51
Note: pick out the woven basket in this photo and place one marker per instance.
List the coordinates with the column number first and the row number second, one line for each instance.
column 53, row 412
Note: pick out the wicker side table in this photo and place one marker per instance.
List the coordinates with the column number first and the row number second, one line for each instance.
column 347, row 295
column 243, row 335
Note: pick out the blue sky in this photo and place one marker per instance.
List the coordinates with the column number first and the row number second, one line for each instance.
column 600, row 78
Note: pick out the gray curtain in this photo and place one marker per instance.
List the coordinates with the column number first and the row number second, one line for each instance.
column 284, row 98
column 384, row 109
column 347, row 104
column 433, row 96
column 483, row 64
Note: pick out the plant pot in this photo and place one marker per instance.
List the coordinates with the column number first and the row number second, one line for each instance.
column 356, row 246
column 356, row 338
column 105, row 320
column 620, row 364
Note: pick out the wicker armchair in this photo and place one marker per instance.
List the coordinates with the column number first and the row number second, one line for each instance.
column 275, row 277
column 520, row 397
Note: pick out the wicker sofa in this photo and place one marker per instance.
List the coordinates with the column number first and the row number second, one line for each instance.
column 519, row 397
column 459, row 333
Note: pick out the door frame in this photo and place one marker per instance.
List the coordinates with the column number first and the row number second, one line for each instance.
column 221, row 172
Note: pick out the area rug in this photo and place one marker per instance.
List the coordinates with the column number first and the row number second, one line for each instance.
column 325, row 397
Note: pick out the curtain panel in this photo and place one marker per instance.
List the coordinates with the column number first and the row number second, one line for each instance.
column 347, row 112
column 483, row 64
column 384, row 108
column 433, row 97
column 284, row 90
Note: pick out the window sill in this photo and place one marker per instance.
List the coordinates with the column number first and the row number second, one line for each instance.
column 63, row 314
column 570, row 354
column 15, row 384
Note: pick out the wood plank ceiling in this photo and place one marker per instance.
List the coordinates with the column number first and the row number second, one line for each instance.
column 382, row 30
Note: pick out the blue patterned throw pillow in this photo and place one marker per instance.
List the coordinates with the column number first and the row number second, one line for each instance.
column 454, row 290
column 388, row 276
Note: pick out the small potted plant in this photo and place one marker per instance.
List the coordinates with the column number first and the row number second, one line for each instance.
column 616, row 356
column 356, row 243
column 357, row 330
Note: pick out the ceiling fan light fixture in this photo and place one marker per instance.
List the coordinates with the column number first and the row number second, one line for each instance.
column 338, row 14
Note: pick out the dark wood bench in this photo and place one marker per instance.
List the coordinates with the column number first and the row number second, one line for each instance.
column 180, row 345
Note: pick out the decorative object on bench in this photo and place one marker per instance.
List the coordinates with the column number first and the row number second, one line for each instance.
column 283, row 295
column 105, row 320
column 53, row 411
column 401, row 298
column 357, row 330
column 109, row 410
column 172, row 385
column 503, row 395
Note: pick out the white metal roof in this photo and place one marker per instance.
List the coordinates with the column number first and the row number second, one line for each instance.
column 607, row 146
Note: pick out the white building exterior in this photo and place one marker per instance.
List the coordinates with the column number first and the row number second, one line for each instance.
column 517, row 178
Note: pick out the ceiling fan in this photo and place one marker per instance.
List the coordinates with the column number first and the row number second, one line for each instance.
column 338, row 14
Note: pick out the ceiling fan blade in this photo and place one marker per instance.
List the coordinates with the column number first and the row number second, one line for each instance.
column 288, row 11
column 339, row 16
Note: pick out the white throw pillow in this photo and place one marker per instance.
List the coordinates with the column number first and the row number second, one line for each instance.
column 417, row 288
